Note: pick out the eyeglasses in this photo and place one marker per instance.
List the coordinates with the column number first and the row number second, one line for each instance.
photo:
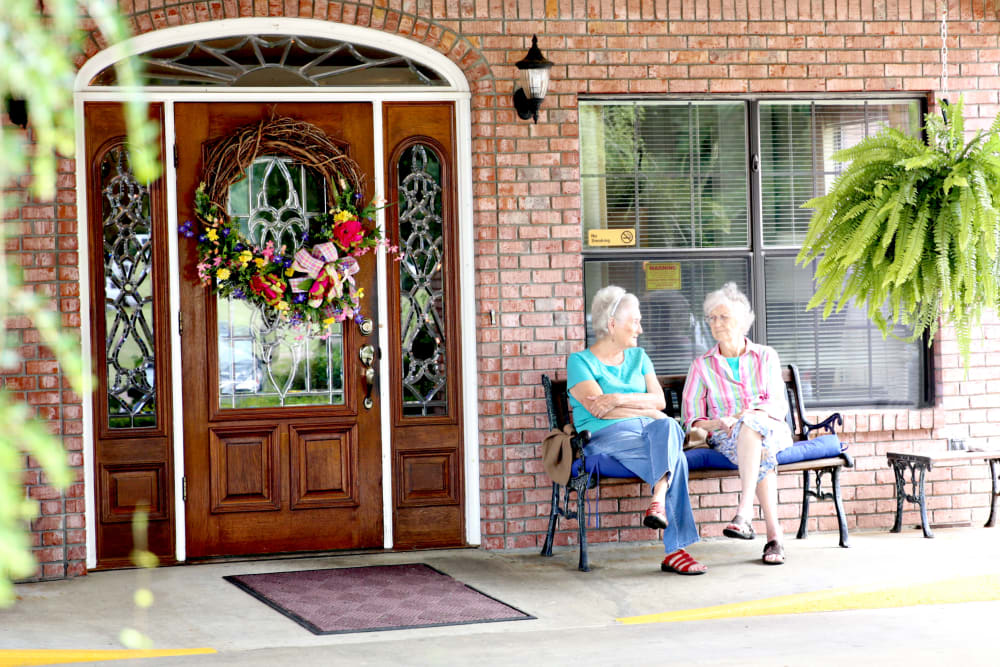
column 614, row 306
column 721, row 319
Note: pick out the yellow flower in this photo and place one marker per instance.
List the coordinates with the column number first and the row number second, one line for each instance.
column 289, row 272
column 281, row 305
column 212, row 234
column 260, row 262
column 328, row 321
column 343, row 215
column 222, row 274
column 361, row 292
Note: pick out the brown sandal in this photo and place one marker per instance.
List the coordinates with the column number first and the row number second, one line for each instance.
column 775, row 552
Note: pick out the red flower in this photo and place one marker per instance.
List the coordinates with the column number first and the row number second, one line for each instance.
column 269, row 286
column 348, row 233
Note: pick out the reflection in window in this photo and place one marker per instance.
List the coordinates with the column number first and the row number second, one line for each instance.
column 264, row 361
column 674, row 328
column 421, row 283
column 128, row 294
column 676, row 173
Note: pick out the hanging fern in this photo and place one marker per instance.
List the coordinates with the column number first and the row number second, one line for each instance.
column 909, row 230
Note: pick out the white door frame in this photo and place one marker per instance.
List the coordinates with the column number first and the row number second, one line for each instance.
column 457, row 90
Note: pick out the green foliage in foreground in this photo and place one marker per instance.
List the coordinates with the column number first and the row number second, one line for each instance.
column 909, row 230
column 37, row 65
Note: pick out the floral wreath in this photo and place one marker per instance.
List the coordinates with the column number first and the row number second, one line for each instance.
column 313, row 285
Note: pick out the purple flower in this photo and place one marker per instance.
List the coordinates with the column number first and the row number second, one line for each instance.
column 357, row 196
column 300, row 297
column 238, row 294
column 358, row 318
column 202, row 238
column 225, row 231
column 287, row 262
column 189, row 234
column 239, row 247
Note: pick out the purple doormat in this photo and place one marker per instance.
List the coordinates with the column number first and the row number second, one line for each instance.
column 379, row 597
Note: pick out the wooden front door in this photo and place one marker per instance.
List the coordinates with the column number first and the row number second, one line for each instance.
column 282, row 453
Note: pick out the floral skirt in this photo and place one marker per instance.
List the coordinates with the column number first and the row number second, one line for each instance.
column 776, row 437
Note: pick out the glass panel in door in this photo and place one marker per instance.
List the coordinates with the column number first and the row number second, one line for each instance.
column 265, row 361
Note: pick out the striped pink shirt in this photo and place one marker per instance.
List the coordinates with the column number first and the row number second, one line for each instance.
column 711, row 391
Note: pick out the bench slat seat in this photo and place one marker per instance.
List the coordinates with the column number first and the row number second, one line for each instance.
column 580, row 483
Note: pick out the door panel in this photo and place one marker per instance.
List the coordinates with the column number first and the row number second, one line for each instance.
column 424, row 325
column 133, row 451
column 280, row 452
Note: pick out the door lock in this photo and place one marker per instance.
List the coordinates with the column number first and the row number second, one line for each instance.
column 367, row 356
column 366, row 326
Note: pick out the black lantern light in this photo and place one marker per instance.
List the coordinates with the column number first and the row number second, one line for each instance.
column 17, row 111
column 532, row 82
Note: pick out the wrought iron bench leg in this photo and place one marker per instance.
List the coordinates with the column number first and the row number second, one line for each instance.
column 804, row 520
column 838, row 503
column 995, row 493
column 553, row 521
column 581, row 518
column 897, row 469
column 922, row 498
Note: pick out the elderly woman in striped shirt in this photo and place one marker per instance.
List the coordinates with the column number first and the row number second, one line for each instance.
column 735, row 391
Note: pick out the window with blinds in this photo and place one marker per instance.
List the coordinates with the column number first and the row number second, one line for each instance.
column 673, row 207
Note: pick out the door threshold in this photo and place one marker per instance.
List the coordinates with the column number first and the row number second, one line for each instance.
column 299, row 555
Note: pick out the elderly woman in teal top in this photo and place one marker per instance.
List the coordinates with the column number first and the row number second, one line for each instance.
column 614, row 394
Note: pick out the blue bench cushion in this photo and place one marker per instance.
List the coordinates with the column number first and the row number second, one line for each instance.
column 698, row 459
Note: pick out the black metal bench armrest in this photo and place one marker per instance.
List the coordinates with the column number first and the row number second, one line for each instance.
column 827, row 424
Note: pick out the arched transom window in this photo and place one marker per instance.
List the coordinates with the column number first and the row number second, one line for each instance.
column 277, row 60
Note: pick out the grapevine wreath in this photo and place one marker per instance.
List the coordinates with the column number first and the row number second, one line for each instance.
column 312, row 284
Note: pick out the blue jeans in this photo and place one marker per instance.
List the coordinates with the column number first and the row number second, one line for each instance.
column 650, row 448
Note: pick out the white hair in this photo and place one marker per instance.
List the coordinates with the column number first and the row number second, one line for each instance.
column 730, row 295
column 607, row 302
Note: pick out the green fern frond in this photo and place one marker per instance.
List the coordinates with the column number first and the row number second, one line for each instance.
column 910, row 230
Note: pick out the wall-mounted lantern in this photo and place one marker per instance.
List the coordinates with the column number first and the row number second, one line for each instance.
column 532, row 82
column 17, row 112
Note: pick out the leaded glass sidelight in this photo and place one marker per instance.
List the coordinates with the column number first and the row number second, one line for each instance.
column 421, row 283
column 265, row 361
column 128, row 294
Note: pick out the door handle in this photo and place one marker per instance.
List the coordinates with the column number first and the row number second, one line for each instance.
column 367, row 356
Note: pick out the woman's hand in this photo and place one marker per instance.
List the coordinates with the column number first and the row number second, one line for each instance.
column 602, row 404
column 727, row 423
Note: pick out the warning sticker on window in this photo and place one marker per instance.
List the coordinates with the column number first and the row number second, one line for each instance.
column 607, row 238
column 662, row 275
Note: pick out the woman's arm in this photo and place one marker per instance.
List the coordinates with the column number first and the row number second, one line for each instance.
column 694, row 403
column 776, row 404
column 621, row 405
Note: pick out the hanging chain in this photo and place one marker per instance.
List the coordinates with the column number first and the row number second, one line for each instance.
column 944, row 49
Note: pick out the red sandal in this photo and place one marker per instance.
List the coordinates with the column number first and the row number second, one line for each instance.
column 681, row 562
column 656, row 517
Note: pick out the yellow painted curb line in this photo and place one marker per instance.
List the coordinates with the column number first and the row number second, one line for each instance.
column 18, row 658
column 950, row 591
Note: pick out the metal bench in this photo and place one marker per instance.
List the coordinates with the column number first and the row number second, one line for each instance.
column 558, row 410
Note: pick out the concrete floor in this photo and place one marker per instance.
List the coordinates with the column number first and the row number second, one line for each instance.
column 194, row 607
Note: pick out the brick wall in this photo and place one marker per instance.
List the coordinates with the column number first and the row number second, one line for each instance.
column 41, row 239
column 527, row 218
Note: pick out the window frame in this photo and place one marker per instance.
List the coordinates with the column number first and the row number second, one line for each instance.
column 756, row 253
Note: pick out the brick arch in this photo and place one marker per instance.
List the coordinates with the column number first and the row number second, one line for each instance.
column 429, row 32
